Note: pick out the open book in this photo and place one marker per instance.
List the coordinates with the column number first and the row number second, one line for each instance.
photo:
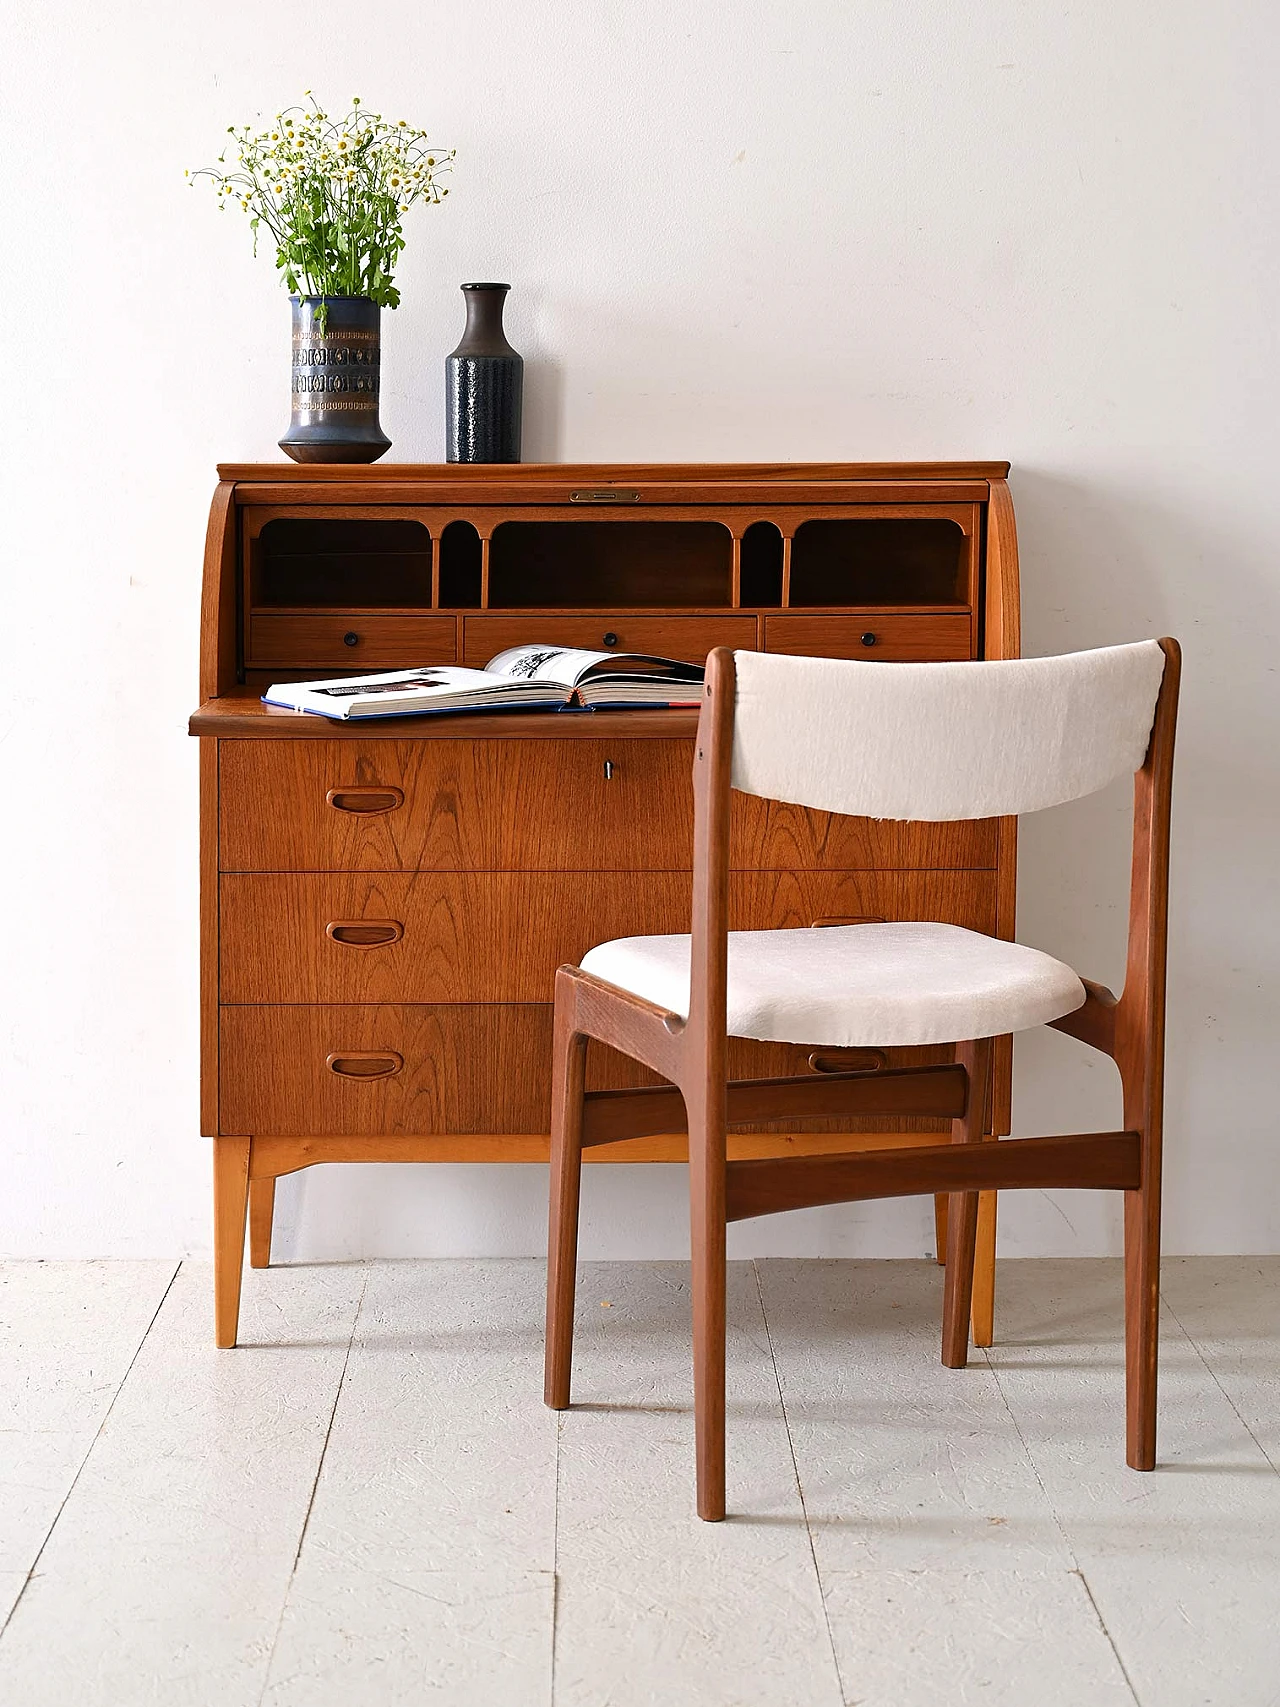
column 523, row 678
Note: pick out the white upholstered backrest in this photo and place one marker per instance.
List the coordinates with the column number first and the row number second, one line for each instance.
column 942, row 741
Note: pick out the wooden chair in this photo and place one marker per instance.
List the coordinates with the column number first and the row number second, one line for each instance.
column 906, row 741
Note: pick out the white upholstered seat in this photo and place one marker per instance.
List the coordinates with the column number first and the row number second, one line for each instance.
column 876, row 986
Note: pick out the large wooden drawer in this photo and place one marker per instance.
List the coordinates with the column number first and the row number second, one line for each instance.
column 500, row 804
column 499, row 936
column 396, row 1070
column 352, row 640
column 688, row 638
column 895, row 637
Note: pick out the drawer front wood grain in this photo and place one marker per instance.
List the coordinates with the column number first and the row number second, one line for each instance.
column 499, row 936
column 888, row 636
column 462, row 1069
column 453, row 1070
column 352, row 640
column 529, row 806
column 465, row 805
column 688, row 638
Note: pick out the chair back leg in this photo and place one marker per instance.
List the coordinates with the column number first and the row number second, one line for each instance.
column 568, row 1085
column 962, row 1218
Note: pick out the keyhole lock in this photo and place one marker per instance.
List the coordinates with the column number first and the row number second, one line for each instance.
column 351, row 638
column 608, row 770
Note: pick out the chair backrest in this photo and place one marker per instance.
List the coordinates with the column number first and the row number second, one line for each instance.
column 942, row 741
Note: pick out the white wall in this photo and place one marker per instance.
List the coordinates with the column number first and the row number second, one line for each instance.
column 914, row 228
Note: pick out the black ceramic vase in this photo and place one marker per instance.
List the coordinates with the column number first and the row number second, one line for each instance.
column 484, row 384
column 334, row 390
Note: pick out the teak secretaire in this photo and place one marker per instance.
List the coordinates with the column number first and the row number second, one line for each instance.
column 383, row 906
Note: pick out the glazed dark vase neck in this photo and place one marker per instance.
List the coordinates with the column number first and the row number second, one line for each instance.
column 483, row 334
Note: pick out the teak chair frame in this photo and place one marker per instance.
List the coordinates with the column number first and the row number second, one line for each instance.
column 691, row 1054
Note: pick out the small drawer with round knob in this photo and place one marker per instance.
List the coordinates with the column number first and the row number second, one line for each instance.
column 888, row 636
column 688, row 638
column 355, row 639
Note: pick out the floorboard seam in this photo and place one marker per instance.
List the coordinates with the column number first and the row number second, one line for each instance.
column 1213, row 1376
column 1058, row 1524
column 1102, row 1624
column 315, row 1483
column 555, row 1565
column 1031, row 1459
column 795, row 1468
column 62, row 1505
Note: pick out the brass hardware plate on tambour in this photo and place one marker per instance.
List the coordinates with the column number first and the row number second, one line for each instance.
column 609, row 495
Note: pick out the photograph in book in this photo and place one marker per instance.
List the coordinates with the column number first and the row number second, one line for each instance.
column 536, row 677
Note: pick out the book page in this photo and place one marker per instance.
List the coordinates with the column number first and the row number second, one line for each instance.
column 571, row 667
column 544, row 663
column 425, row 683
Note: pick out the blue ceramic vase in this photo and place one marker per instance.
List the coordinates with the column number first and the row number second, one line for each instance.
column 335, row 384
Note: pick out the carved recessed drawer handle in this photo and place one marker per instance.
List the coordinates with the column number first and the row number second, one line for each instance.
column 850, row 1061
column 848, row 919
column 364, row 933
column 364, row 1063
column 365, row 802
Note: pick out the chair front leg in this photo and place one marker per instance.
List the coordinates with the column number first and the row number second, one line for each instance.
column 708, row 1243
column 1142, row 1113
column 568, row 1087
column 962, row 1218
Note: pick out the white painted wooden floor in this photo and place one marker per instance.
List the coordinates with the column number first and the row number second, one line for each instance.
column 367, row 1504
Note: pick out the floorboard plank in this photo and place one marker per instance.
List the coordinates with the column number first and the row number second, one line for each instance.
column 976, row 1638
column 1229, row 1307
column 427, row 1567
column 165, row 1574
column 1182, row 1562
column 652, row 1603
column 903, row 1463
column 68, row 1333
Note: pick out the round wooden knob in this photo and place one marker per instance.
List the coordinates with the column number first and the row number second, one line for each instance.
column 868, row 639
column 610, row 639
column 351, row 638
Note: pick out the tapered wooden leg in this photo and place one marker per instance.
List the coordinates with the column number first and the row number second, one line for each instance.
column 962, row 1220
column 262, row 1204
column 940, row 1227
column 1141, row 1326
column 569, row 1069
column 708, row 1242
column 984, row 1271
column 962, row 1227
column 230, row 1200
